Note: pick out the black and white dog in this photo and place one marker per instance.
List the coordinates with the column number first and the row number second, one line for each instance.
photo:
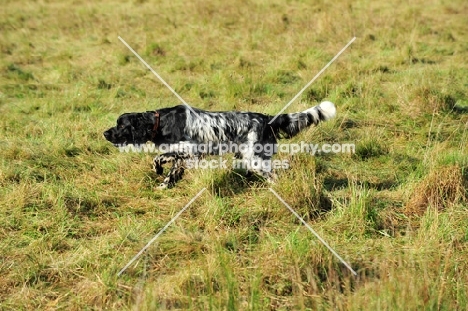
column 185, row 126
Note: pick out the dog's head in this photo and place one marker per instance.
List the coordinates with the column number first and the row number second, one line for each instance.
column 132, row 128
column 166, row 125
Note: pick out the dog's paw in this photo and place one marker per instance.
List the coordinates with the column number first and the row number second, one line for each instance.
column 162, row 186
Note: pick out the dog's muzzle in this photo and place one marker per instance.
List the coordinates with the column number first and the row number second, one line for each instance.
column 107, row 135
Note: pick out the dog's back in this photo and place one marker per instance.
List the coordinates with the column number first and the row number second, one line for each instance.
column 236, row 126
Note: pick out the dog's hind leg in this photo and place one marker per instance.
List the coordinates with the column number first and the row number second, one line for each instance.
column 258, row 162
column 262, row 167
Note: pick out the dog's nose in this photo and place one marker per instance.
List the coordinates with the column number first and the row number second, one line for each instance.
column 107, row 134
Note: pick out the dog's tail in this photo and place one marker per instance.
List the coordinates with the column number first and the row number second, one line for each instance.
column 291, row 124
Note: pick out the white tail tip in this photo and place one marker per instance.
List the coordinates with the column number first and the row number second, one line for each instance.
column 328, row 109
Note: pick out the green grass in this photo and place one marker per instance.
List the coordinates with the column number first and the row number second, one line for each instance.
column 74, row 211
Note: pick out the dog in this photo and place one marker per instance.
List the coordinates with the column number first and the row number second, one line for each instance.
column 188, row 127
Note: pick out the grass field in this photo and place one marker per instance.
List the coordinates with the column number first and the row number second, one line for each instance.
column 74, row 210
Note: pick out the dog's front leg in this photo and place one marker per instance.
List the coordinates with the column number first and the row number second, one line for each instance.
column 161, row 159
column 176, row 172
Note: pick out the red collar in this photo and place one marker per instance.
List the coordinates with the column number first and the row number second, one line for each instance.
column 156, row 125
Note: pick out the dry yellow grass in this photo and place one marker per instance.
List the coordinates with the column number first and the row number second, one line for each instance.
column 444, row 187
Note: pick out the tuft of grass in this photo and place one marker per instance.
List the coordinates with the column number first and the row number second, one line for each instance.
column 16, row 72
column 435, row 100
column 370, row 148
column 442, row 188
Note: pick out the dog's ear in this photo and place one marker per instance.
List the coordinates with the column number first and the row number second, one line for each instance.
column 149, row 115
column 147, row 120
column 141, row 125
